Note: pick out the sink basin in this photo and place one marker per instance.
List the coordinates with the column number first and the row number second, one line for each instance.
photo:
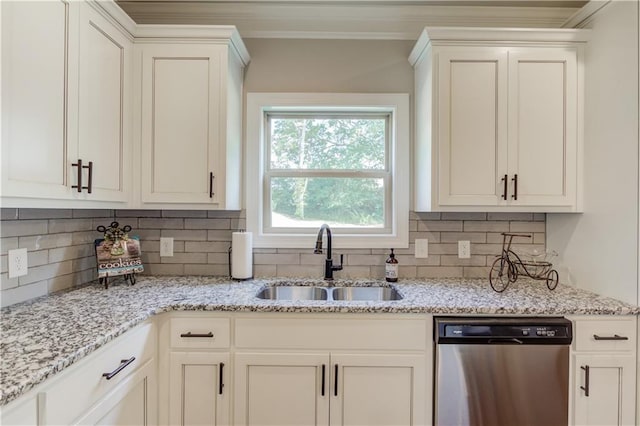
column 373, row 294
column 293, row 292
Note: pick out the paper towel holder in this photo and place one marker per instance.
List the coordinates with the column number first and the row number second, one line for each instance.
column 229, row 257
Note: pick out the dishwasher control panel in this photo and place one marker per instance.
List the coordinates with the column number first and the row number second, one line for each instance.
column 503, row 330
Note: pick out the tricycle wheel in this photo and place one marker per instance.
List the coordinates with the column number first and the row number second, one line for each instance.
column 500, row 274
column 552, row 279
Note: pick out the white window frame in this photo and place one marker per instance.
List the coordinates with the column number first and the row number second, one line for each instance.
column 258, row 104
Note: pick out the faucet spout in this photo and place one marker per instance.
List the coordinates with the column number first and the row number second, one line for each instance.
column 329, row 267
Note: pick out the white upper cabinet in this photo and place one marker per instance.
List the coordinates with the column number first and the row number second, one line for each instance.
column 498, row 119
column 191, row 105
column 35, row 45
column 66, row 83
column 104, row 106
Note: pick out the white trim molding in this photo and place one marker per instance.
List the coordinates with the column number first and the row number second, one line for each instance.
column 398, row 104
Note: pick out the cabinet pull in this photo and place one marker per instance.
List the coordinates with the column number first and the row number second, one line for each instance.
column 324, row 367
column 90, row 183
column 585, row 388
column 79, row 179
column 123, row 364
column 79, row 186
column 211, row 193
column 220, row 380
column 614, row 337
column 335, row 381
column 504, row 189
column 189, row 334
column 515, row 187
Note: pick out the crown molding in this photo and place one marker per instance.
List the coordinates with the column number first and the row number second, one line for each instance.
column 583, row 17
column 358, row 20
column 227, row 34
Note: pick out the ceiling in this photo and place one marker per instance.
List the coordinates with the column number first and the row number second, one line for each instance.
column 363, row 19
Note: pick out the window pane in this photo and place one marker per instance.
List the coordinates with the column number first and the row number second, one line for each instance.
column 310, row 142
column 340, row 202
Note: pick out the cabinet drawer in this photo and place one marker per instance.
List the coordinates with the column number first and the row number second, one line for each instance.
column 605, row 334
column 77, row 389
column 200, row 333
column 338, row 333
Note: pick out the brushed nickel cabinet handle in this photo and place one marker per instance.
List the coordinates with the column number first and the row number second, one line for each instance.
column 585, row 388
column 78, row 164
column 614, row 337
column 189, row 334
column 123, row 364
column 505, row 179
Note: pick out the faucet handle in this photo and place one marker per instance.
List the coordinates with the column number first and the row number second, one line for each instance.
column 339, row 267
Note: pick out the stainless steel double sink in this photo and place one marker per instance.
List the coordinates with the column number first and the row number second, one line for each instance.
column 338, row 293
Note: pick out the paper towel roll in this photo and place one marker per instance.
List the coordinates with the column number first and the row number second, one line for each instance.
column 241, row 255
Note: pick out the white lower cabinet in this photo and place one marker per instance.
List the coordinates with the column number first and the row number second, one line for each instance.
column 130, row 403
column 115, row 385
column 332, row 369
column 376, row 389
column 606, row 390
column 198, row 393
column 195, row 369
column 281, row 388
column 328, row 388
column 604, row 371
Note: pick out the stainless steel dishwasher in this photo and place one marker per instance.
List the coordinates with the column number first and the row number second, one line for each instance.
column 501, row 371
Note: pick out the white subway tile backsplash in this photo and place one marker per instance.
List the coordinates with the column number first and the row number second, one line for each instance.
column 8, row 214
column 184, row 235
column 440, row 225
column 44, row 272
column 527, row 226
column 60, row 244
column 45, row 214
column 7, row 244
column 18, row 228
column 487, row 226
column 163, row 223
column 48, row 241
column 69, row 225
column 463, row 216
column 23, row 293
column 222, row 223
column 454, row 237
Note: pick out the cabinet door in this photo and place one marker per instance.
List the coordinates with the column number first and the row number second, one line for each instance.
column 132, row 402
column 35, row 75
column 180, row 117
column 471, row 133
column 378, row 390
column 281, row 389
column 198, row 391
column 103, row 112
column 543, row 127
column 611, row 385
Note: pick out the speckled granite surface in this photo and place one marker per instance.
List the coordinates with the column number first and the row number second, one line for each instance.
column 42, row 337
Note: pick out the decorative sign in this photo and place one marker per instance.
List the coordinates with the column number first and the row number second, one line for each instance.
column 117, row 253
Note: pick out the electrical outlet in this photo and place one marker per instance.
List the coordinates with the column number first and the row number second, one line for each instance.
column 422, row 248
column 464, row 249
column 18, row 264
column 166, row 246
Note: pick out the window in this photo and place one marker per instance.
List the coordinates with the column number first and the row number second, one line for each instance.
column 340, row 159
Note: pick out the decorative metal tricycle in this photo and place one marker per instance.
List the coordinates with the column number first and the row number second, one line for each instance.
column 509, row 265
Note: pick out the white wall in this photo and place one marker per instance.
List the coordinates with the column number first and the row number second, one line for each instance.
column 363, row 66
column 600, row 246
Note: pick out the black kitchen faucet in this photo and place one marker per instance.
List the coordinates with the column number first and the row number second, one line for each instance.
column 328, row 263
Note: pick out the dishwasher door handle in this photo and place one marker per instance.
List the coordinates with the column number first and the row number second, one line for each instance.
column 509, row 340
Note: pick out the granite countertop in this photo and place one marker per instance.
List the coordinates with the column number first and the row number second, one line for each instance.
column 43, row 336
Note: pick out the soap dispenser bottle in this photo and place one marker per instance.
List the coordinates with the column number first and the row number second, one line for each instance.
column 391, row 268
